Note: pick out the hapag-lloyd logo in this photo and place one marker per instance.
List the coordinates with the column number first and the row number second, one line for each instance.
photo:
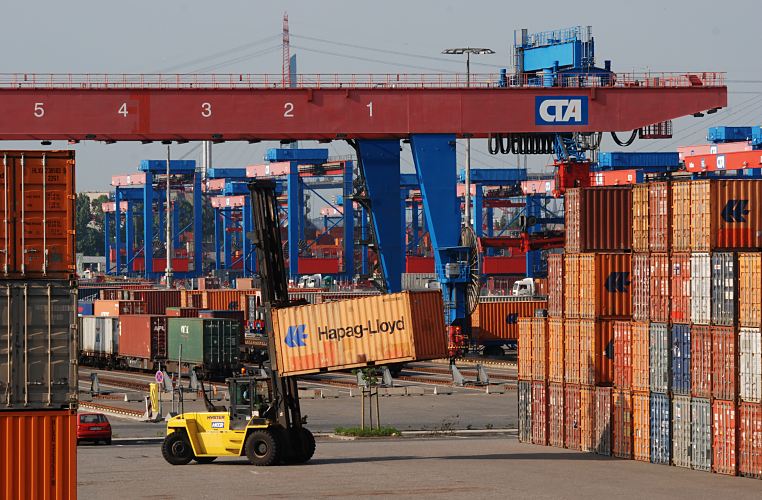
column 359, row 330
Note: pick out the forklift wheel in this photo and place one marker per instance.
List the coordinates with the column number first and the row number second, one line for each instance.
column 262, row 448
column 176, row 449
column 308, row 446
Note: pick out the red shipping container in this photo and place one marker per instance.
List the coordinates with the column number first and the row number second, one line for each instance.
column 596, row 352
column 622, row 429
column 603, row 412
column 622, row 354
column 556, row 350
column 640, row 285
column 556, row 285
column 587, row 412
column 701, row 361
column 182, row 312
column 659, row 216
column 499, row 320
column 640, row 218
column 117, row 307
column 659, row 277
column 571, row 352
column 680, row 288
column 143, row 336
column 724, row 437
column 641, row 427
column 572, row 402
column 604, row 285
column 556, row 415
column 750, row 440
column 539, row 414
column 598, row 219
column 640, row 357
column 157, row 301
column 724, row 366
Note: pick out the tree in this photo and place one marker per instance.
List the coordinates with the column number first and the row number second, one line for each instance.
column 89, row 224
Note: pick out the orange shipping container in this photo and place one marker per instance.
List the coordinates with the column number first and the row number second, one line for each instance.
column 556, row 285
column 641, row 286
column 540, row 413
column 640, row 218
column 571, row 286
column 587, row 418
column 598, row 219
column 499, row 320
column 572, row 433
column 354, row 333
column 571, row 352
column 701, row 361
column 622, row 428
column 750, row 289
column 726, row 214
column 556, row 350
column 681, row 216
column 596, row 341
column 38, row 454
column 37, row 236
column 659, row 216
column 680, row 288
column 641, row 427
column 118, row 307
column 605, row 285
column 603, row 412
column 525, row 349
column 659, row 276
column 640, row 357
column 556, row 415
column 539, row 349
column 622, row 354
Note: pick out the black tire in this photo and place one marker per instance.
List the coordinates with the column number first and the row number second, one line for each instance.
column 262, row 448
column 108, row 442
column 302, row 447
column 205, row 460
column 307, row 446
column 176, row 449
column 79, row 442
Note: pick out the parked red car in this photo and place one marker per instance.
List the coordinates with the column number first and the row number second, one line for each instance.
column 93, row 427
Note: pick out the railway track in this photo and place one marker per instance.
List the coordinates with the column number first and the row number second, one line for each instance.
column 111, row 409
column 445, row 371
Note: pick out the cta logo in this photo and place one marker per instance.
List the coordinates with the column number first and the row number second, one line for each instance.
column 295, row 336
column 618, row 282
column 735, row 211
column 560, row 110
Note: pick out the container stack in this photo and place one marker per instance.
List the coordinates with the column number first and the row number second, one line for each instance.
column 687, row 357
column 38, row 344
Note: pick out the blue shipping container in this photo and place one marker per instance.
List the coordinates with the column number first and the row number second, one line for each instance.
column 728, row 134
column 636, row 160
column 681, row 359
column 84, row 308
column 661, row 439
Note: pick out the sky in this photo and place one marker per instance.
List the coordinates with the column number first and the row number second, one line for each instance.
column 336, row 36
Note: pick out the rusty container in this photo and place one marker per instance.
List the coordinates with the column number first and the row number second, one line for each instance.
column 622, row 354
column 622, row 428
column 750, row 289
column 354, row 333
column 37, row 225
column 38, row 455
column 726, row 214
column 701, row 361
column 157, row 301
column 556, row 285
column 681, row 216
column 540, row 413
column 539, row 348
column 556, row 409
column 118, row 307
column 640, row 218
column 598, row 219
column 596, row 352
column 640, row 285
column 750, row 440
column 571, row 352
column 724, row 444
column 142, row 338
column 182, row 312
column 525, row 349
column 659, row 216
column 499, row 319
column 659, row 277
column 641, row 425
column 587, row 411
column 724, row 363
column 680, row 288
column 605, row 285
column 556, row 350
column 571, row 286
column 640, row 356
column 193, row 298
column 572, row 417
column 603, row 413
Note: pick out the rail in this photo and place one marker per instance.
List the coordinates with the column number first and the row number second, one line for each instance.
column 353, row 81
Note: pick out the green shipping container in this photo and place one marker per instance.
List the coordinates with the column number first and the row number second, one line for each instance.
column 213, row 342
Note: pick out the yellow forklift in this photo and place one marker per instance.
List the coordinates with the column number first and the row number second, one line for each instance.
column 264, row 422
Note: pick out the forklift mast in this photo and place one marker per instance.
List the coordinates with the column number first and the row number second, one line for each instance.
column 272, row 272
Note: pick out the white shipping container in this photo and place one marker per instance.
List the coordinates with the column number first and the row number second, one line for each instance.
column 701, row 288
column 750, row 364
column 99, row 334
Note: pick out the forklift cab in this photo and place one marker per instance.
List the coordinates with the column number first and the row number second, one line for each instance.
column 250, row 398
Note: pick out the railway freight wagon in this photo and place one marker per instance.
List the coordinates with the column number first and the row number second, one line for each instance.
column 142, row 341
column 98, row 340
column 211, row 344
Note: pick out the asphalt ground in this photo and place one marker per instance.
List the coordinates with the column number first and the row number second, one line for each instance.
column 442, row 467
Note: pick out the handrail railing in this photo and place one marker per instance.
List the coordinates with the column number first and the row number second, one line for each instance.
column 364, row 81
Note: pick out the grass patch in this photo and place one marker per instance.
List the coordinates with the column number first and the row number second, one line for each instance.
column 358, row 432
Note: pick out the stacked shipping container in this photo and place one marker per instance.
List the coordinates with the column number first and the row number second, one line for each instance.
column 687, row 354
